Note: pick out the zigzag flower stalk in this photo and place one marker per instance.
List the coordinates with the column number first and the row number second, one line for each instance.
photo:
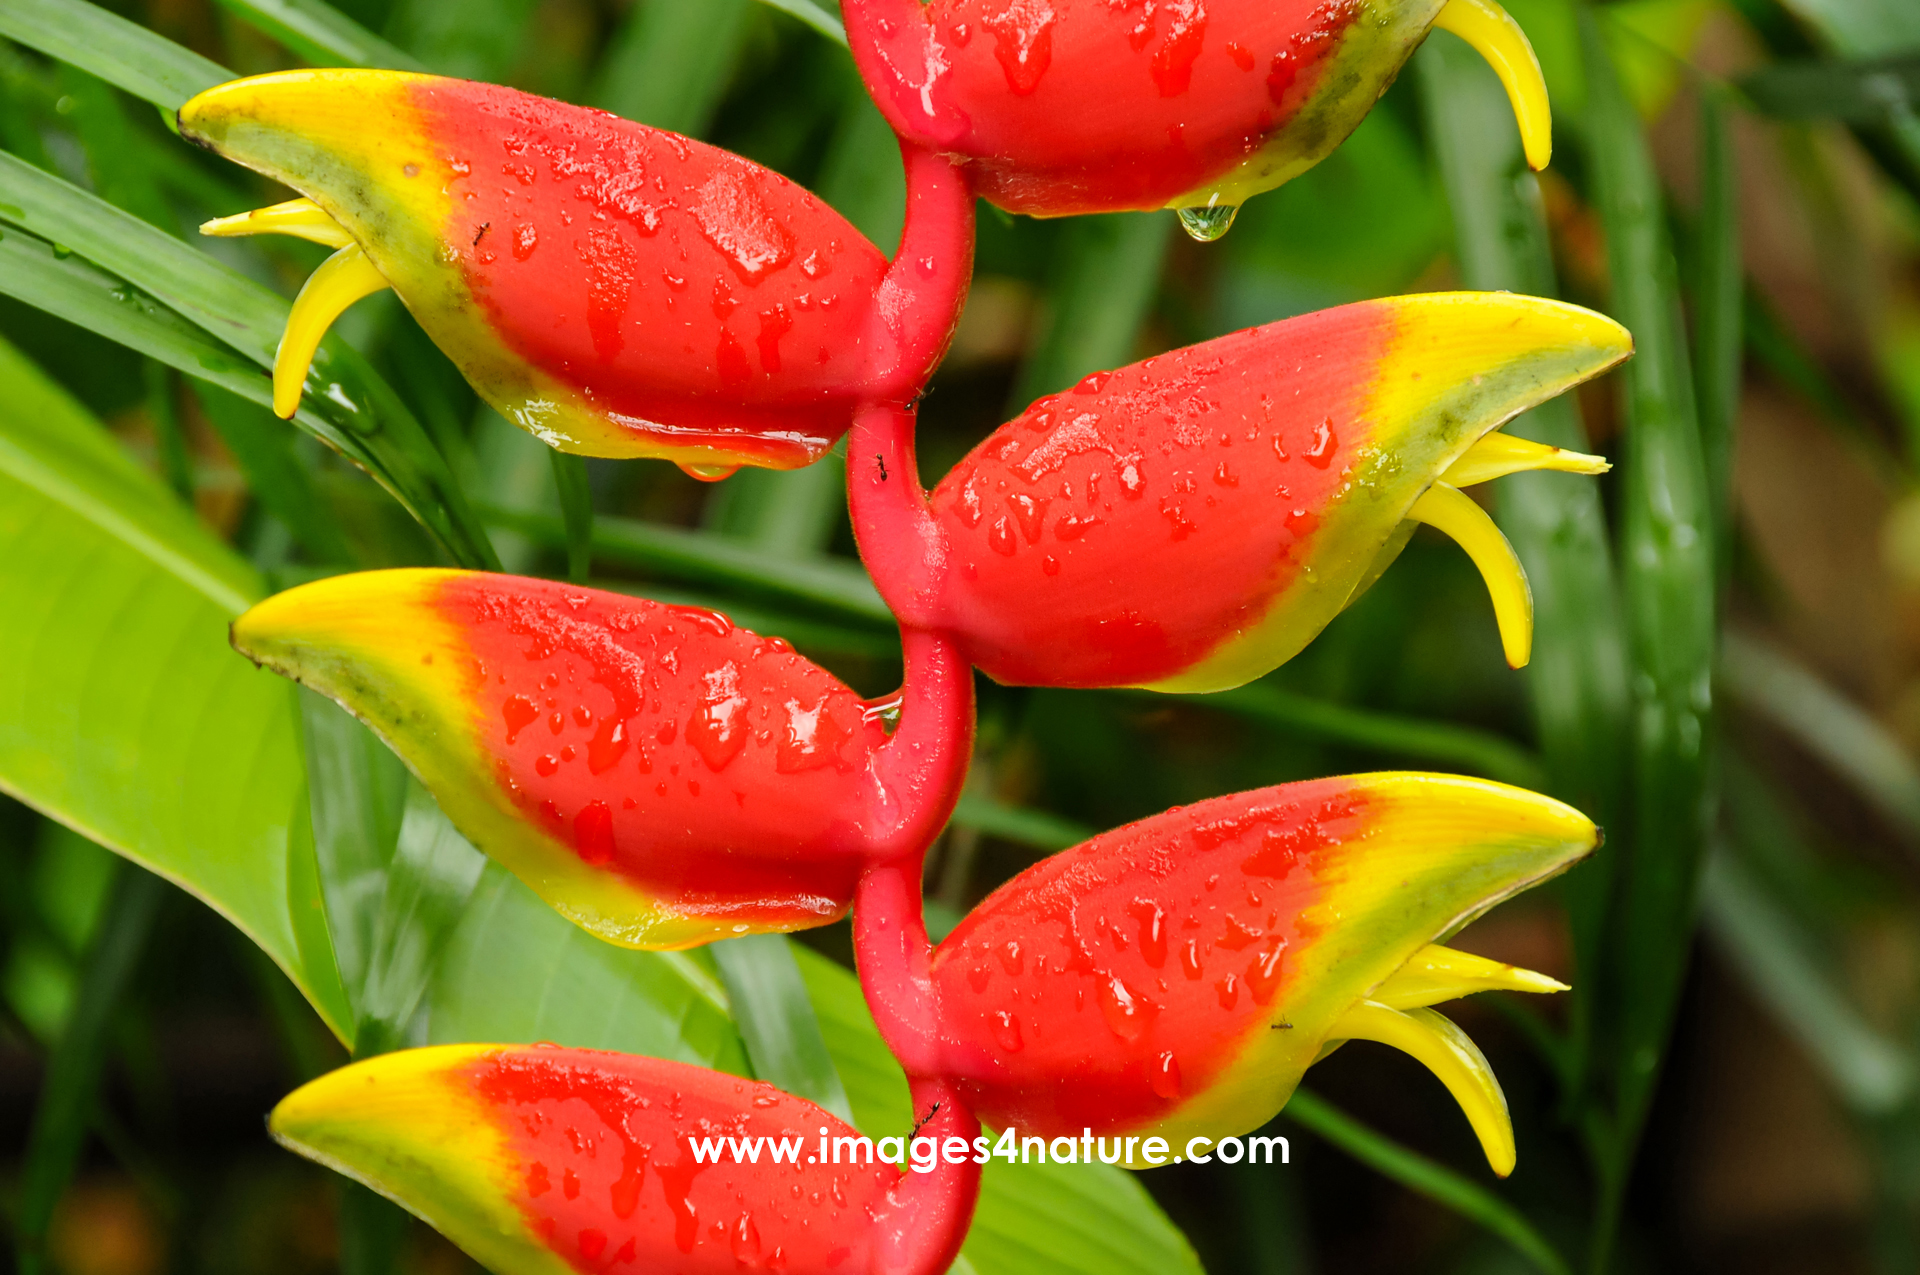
column 1191, row 522
column 1075, row 106
column 547, row 1161
column 659, row 776
column 612, row 288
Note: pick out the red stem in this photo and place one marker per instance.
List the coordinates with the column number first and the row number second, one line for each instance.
column 930, row 1212
column 918, row 303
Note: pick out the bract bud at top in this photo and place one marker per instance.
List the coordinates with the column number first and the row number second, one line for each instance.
column 615, row 289
column 1175, row 977
column 1075, row 106
column 546, row 1161
column 1191, row 522
column 659, row 776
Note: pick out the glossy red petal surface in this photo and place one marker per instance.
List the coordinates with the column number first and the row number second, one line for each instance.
column 1116, row 533
column 709, row 765
column 1104, row 986
column 685, row 290
column 1069, row 106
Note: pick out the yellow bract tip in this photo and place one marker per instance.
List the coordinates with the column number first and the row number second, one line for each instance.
column 300, row 218
column 340, row 281
column 1498, row 38
column 1498, row 455
column 1445, row 1051
column 1450, row 511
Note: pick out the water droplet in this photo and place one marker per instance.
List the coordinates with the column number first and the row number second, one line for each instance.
column 1206, row 224
column 1010, row 956
column 1190, row 959
column 1000, row 537
column 1164, row 1079
column 1006, row 1031
column 1126, row 1011
column 1153, row 930
column 593, row 833
column 708, row 473
column 519, row 713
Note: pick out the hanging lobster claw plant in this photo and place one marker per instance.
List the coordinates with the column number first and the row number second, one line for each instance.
column 1191, row 522
column 1060, row 107
column 542, row 1161
column 1172, row 979
column 659, row 776
column 614, row 289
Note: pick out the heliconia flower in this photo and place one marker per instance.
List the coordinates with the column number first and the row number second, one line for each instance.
column 547, row 1161
column 1191, row 522
column 1175, row 977
column 615, row 289
column 1076, row 106
column 659, row 776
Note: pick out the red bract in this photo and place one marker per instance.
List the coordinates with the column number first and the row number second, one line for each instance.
column 569, row 1160
column 1075, row 106
column 1192, row 521
column 658, row 775
column 615, row 289
column 1176, row 976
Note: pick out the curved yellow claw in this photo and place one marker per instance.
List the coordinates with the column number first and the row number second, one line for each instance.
column 340, row 281
column 1450, row 511
column 1498, row 455
column 1498, row 38
column 1445, row 1051
column 300, row 218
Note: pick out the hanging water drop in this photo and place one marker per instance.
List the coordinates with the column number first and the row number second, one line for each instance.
column 708, row 473
column 1208, row 223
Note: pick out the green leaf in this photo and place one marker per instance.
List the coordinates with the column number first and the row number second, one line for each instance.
column 517, row 972
column 347, row 406
column 1050, row 1218
column 1668, row 587
column 1783, row 971
column 118, row 51
column 321, row 33
column 264, row 450
column 78, row 1060
column 432, row 874
column 1098, row 299
column 1839, row 733
column 814, row 14
column 1417, row 1173
column 1874, row 91
column 123, row 712
column 1719, row 310
column 670, row 62
column 1577, row 681
column 1034, row 828
column 832, row 585
column 776, row 1019
column 576, row 510
column 1395, row 735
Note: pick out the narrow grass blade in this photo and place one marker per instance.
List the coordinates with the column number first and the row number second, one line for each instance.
column 1393, row 735
column 777, row 1021
column 78, row 1059
column 120, row 52
column 365, row 420
column 1035, row 828
column 1718, row 309
column 1869, row 91
column 263, row 448
column 1840, row 734
column 1098, row 299
column 576, row 511
column 1781, row 969
column 670, row 62
column 1668, row 578
column 321, row 33
column 1577, row 681
column 814, row 14
column 1417, row 1173
column 832, row 585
